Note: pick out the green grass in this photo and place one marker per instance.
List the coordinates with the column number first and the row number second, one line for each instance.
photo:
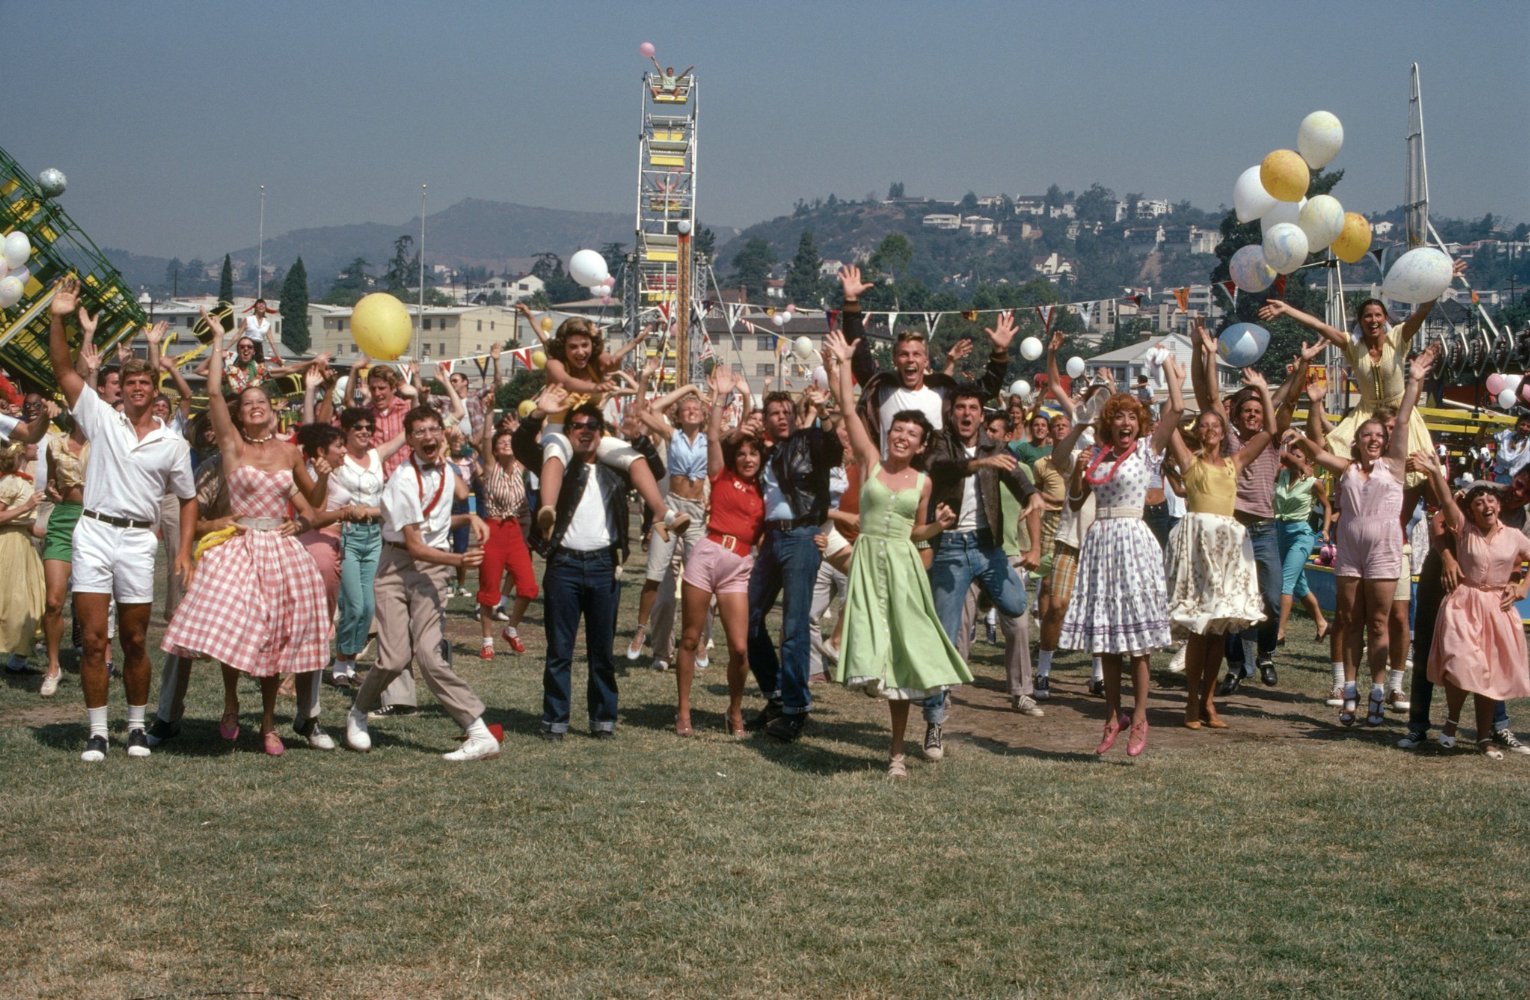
column 1283, row 858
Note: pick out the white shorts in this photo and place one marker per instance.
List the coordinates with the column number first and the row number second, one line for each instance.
column 112, row 560
column 835, row 543
column 612, row 452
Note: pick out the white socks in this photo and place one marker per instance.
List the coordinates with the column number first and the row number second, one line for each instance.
column 1043, row 662
column 1395, row 680
column 1098, row 673
column 135, row 716
column 476, row 730
column 1338, row 674
column 96, row 718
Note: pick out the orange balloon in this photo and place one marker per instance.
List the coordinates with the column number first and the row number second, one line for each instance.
column 1284, row 175
column 1354, row 239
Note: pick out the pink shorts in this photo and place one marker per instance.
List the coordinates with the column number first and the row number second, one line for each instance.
column 716, row 570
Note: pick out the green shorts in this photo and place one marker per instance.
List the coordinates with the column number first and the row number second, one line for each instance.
column 60, row 539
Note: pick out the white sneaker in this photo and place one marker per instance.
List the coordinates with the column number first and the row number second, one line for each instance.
column 317, row 738
column 1397, row 701
column 703, row 661
column 50, row 685
column 1177, row 665
column 356, row 735
column 660, row 665
column 1026, row 705
column 475, row 748
column 1336, row 699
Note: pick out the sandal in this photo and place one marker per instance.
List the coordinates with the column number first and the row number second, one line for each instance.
column 639, row 635
column 1351, row 705
column 896, row 768
column 1488, row 750
column 682, row 728
column 735, row 723
column 1376, row 708
column 1448, row 740
column 1322, row 633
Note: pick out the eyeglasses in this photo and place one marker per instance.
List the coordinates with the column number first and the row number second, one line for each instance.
column 584, row 425
column 362, row 427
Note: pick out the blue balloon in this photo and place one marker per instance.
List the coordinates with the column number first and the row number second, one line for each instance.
column 1242, row 344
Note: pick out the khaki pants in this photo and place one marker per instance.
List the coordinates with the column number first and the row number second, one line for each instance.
column 410, row 615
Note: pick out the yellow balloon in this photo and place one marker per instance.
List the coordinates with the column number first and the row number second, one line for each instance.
column 1284, row 175
column 547, row 324
column 380, row 324
column 1354, row 239
column 525, row 408
column 538, row 359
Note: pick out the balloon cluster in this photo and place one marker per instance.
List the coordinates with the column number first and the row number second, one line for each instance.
column 782, row 317
column 588, row 268
column 1507, row 390
column 15, row 251
column 1293, row 225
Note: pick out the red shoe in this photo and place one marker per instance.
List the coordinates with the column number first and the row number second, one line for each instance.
column 486, row 651
column 514, row 640
column 1113, row 727
column 1138, row 739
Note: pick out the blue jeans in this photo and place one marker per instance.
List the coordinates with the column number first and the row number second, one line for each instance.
column 1268, row 568
column 960, row 561
column 1159, row 522
column 360, row 545
column 575, row 584
column 785, row 565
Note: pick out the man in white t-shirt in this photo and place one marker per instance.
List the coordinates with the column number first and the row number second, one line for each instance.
column 412, row 574
column 134, row 460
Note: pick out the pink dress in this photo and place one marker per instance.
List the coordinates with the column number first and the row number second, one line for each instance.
column 1478, row 646
column 1370, row 540
column 256, row 601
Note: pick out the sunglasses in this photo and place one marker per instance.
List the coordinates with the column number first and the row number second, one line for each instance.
column 584, row 425
column 363, row 427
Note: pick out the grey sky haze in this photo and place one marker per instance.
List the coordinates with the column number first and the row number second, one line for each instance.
column 168, row 116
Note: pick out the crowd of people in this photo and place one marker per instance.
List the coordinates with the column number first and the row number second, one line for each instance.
column 1135, row 522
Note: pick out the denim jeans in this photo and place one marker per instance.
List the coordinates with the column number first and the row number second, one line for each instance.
column 1421, row 691
column 785, row 565
column 1159, row 522
column 1268, row 568
column 960, row 561
column 360, row 545
column 575, row 584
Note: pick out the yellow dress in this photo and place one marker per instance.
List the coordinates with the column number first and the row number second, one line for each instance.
column 1213, row 582
column 1381, row 381
column 25, row 594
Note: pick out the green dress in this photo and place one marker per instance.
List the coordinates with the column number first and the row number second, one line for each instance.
column 893, row 645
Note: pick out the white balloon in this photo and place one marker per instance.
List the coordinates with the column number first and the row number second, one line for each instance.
column 1284, row 211
column 820, row 378
column 1249, row 271
column 1075, row 367
column 1030, row 348
column 1512, row 382
column 1250, row 199
column 587, row 268
column 52, row 182
column 779, row 319
column 1319, row 138
column 1420, row 275
column 1321, row 218
column 17, row 249
column 1285, row 247
column 803, row 348
column 1020, row 388
column 1506, row 399
column 21, row 274
column 10, row 291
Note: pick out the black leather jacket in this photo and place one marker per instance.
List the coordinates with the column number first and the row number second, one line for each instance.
column 949, row 468
column 613, row 485
column 801, row 466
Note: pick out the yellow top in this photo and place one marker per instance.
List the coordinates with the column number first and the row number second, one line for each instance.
column 1381, row 380
column 15, row 491
column 1211, row 488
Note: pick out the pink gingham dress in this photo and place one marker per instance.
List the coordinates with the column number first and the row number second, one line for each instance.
column 256, row 601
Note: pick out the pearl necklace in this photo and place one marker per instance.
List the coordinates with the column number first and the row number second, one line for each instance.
column 250, row 440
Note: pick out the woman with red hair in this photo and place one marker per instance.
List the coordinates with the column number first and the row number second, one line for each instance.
column 1119, row 606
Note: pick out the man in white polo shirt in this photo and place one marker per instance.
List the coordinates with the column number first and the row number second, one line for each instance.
column 134, row 460
column 412, row 574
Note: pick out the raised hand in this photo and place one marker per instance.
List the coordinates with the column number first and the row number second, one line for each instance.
column 1419, row 367
column 1311, row 352
column 958, row 351
column 1273, row 309
column 1003, row 330
column 834, row 343
column 156, row 333
column 214, row 327
column 1055, row 344
column 66, row 299
column 443, row 372
column 313, row 376
column 90, row 356
column 1316, row 391
column 552, row 398
column 1251, row 377
column 852, row 285
column 495, row 349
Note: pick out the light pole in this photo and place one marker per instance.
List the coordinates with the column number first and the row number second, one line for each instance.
column 260, row 247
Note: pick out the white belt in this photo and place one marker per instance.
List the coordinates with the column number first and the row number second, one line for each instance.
column 1106, row 513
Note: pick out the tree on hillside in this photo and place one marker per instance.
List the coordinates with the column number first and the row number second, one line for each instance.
column 893, row 255
column 706, row 243
column 226, row 290
column 1054, row 197
column 350, row 284
column 194, row 276
column 173, row 274
column 403, row 267
column 969, row 203
column 1098, row 204
column 751, row 267
column 615, row 255
column 294, row 310
column 895, row 190
column 802, row 282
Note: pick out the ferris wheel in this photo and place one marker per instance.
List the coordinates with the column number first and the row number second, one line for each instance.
column 59, row 247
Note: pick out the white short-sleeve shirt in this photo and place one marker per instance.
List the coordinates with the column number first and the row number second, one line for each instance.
column 8, row 425
column 125, row 475
column 419, row 495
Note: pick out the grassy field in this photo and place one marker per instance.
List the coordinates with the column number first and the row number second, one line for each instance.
column 1284, row 857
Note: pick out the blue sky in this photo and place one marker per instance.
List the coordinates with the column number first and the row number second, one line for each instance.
column 168, row 116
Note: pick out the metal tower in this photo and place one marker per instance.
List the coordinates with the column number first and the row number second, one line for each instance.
column 663, row 272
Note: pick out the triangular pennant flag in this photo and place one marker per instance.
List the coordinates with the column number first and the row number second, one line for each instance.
column 1279, row 291
column 482, row 364
column 1474, row 296
column 1231, row 288
column 892, row 324
column 832, row 317
column 931, row 321
column 1182, row 296
column 523, row 355
column 1045, row 314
